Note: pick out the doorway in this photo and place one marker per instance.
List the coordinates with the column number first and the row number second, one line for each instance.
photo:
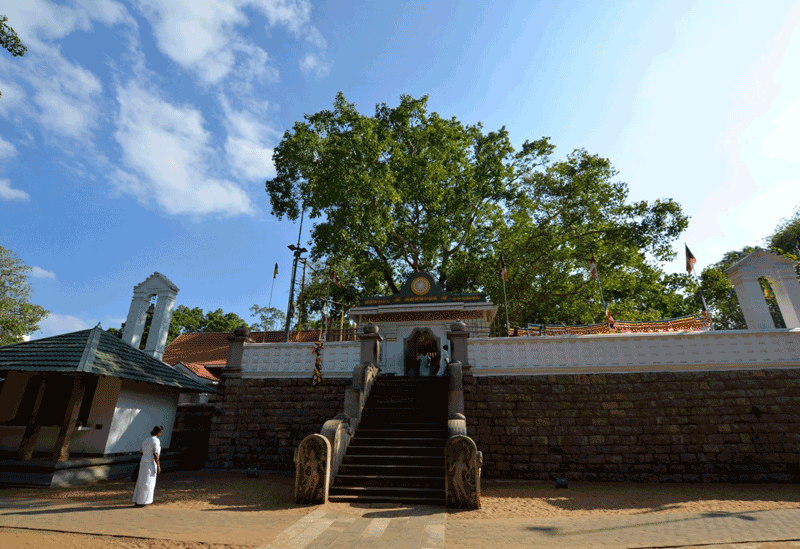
column 421, row 343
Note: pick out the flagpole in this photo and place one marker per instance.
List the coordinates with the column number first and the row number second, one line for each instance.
column 269, row 306
column 505, row 298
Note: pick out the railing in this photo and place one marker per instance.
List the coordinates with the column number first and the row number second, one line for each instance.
column 635, row 352
column 293, row 360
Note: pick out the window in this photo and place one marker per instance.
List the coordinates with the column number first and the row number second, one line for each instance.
column 88, row 398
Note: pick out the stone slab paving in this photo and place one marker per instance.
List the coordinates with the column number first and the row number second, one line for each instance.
column 406, row 528
column 628, row 531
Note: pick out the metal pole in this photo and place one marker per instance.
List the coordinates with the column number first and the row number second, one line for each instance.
column 297, row 253
column 505, row 298
column 300, row 318
column 291, row 299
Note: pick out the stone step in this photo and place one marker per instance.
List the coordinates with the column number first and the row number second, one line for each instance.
column 368, row 498
column 391, row 470
column 385, row 480
column 434, row 442
column 400, row 461
column 396, row 450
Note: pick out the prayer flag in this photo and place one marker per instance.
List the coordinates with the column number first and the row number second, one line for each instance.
column 593, row 268
column 503, row 271
column 335, row 279
column 690, row 260
column 276, row 271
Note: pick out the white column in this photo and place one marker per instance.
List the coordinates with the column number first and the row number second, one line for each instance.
column 751, row 300
column 787, row 293
column 134, row 324
column 159, row 329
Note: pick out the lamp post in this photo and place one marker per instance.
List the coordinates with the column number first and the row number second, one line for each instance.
column 298, row 251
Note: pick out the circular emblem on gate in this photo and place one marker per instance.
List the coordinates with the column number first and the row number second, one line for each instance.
column 420, row 285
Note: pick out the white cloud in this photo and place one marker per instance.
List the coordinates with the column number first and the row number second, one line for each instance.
column 8, row 193
column 202, row 37
column 38, row 272
column 65, row 93
column 169, row 152
column 7, row 150
column 313, row 63
column 246, row 147
column 56, row 324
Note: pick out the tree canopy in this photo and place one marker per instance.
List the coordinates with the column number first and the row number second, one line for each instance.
column 9, row 40
column 18, row 316
column 407, row 190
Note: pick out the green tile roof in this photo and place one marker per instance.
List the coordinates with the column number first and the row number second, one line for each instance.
column 94, row 351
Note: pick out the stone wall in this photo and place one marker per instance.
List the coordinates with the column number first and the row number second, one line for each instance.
column 713, row 426
column 191, row 433
column 261, row 422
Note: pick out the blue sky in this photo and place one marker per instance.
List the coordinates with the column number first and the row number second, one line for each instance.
column 136, row 136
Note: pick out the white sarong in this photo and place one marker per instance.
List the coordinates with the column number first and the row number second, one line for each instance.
column 146, row 483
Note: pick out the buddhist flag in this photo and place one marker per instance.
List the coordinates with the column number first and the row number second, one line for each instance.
column 593, row 268
column 503, row 270
column 690, row 260
column 335, row 279
column 274, row 274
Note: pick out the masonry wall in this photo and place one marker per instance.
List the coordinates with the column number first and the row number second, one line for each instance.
column 261, row 422
column 715, row 426
column 190, row 435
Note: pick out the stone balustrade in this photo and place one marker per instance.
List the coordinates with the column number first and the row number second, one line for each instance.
column 296, row 360
column 634, row 352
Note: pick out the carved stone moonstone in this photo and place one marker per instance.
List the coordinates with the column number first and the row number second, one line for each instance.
column 312, row 473
column 463, row 465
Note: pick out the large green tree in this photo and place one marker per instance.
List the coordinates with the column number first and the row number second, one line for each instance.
column 406, row 190
column 270, row 318
column 403, row 190
column 10, row 41
column 18, row 316
column 566, row 211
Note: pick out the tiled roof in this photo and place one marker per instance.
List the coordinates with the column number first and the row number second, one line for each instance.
column 211, row 348
column 93, row 351
column 200, row 371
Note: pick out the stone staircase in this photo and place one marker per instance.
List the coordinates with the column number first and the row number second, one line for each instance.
column 397, row 452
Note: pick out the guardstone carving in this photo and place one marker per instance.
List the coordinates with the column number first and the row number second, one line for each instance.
column 312, row 473
column 463, row 464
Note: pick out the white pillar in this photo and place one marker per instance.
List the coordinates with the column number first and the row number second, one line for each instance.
column 787, row 293
column 137, row 316
column 159, row 328
column 751, row 300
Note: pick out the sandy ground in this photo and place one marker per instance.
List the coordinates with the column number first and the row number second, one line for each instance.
column 500, row 500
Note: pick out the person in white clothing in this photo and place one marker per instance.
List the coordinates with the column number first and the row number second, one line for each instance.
column 149, row 467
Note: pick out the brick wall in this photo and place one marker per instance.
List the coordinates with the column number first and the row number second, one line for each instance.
column 191, row 433
column 665, row 426
column 261, row 422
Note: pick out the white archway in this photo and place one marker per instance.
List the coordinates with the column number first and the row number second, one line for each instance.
column 781, row 274
column 165, row 292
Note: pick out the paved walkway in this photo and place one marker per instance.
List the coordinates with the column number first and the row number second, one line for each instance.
column 403, row 528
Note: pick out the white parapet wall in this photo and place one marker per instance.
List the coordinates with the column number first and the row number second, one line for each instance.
column 296, row 360
column 719, row 350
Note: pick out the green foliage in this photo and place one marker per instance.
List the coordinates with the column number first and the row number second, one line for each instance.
column 17, row 315
column 784, row 240
column 565, row 212
column 270, row 318
column 406, row 190
column 9, row 40
column 185, row 320
column 400, row 191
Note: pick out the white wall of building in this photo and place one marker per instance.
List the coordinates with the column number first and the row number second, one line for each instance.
column 139, row 408
column 100, row 418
